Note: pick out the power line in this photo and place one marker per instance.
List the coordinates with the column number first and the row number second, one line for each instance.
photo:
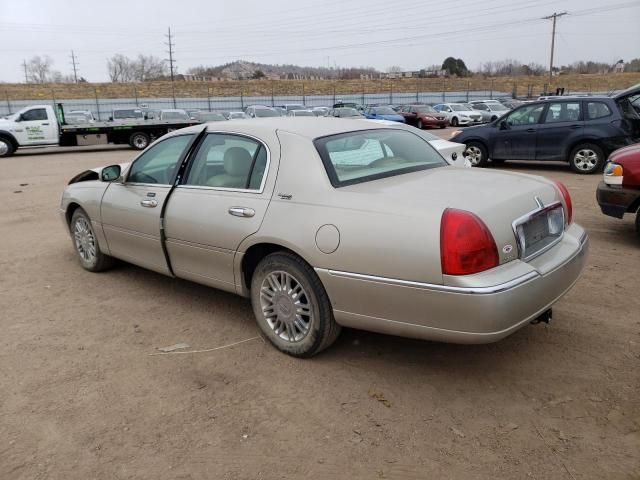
column 553, row 39
column 74, row 64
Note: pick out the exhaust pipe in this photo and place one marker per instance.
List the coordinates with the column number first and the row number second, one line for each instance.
column 544, row 317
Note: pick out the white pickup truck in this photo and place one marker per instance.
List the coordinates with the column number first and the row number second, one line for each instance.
column 38, row 125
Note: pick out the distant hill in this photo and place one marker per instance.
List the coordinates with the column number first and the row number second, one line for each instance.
column 241, row 70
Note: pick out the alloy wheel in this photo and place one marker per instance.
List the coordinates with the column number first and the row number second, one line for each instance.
column 585, row 159
column 286, row 306
column 84, row 240
column 474, row 154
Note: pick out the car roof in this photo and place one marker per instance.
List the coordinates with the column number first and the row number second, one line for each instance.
column 308, row 127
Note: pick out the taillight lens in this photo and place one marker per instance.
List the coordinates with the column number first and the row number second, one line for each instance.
column 466, row 244
column 567, row 200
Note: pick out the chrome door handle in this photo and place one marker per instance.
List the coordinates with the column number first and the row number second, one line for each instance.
column 242, row 212
column 45, row 124
column 149, row 203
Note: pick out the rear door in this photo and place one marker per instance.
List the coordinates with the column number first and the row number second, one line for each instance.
column 222, row 200
column 562, row 122
column 131, row 210
column 515, row 136
column 34, row 127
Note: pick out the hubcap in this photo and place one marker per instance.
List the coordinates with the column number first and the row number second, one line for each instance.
column 285, row 306
column 474, row 154
column 139, row 141
column 84, row 240
column 586, row 159
column 4, row 148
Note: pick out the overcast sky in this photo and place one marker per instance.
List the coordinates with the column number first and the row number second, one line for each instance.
column 378, row 33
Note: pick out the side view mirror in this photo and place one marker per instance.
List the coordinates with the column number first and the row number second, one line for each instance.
column 19, row 119
column 110, row 173
column 503, row 125
column 110, row 118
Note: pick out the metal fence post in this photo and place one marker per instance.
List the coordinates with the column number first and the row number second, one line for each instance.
column 468, row 87
column 417, row 89
column 135, row 94
column 273, row 103
column 334, row 93
column 303, row 97
column 242, row 99
column 95, row 92
column 391, row 93
column 491, row 92
column 209, row 97
column 53, row 100
column 8, row 103
column 362, row 97
column 444, row 89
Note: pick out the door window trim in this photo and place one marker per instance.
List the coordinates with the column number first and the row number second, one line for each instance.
column 263, row 182
column 180, row 160
column 543, row 116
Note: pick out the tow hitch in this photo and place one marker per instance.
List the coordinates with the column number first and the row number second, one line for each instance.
column 543, row 317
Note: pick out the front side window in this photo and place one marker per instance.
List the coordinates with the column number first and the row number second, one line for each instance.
column 597, row 110
column 158, row 164
column 528, row 115
column 563, row 112
column 367, row 155
column 228, row 161
column 34, row 114
column 480, row 106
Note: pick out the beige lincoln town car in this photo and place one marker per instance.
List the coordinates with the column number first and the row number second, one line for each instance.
column 326, row 223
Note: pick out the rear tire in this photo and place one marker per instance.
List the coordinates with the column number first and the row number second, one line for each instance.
column 291, row 305
column 586, row 158
column 139, row 140
column 477, row 154
column 6, row 147
column 420, row 126
column 454, row 122
column 86, row 245
column 443, row 126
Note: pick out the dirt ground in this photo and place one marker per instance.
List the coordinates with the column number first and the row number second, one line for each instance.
column 82, row 398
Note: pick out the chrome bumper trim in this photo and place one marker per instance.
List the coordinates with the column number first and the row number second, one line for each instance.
column 451, row 289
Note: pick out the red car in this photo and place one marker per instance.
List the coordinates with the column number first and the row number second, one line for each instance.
column 422, row 116
column 619, row 192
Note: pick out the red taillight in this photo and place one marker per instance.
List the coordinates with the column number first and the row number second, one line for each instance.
column 466, row 244
column 567, row 200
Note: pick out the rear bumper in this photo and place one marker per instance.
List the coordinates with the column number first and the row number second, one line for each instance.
column 615, row 201
column 475, row 313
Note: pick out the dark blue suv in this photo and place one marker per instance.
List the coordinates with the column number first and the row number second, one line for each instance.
column 580, row 130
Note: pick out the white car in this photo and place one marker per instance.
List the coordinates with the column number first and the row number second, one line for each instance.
column 301, row 113
column 490, row 109
column 451, row 151
column 236, row 116
column 459, row 114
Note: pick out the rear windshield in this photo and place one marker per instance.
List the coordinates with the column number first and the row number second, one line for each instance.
column 175, row 116
column 366, row 155
column 265, row 112
column 127, row 114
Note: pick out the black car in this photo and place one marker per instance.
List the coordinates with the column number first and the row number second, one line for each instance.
column 580, row 130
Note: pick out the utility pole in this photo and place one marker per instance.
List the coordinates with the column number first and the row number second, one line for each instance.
column 75, row 70
column 171, row 61
column 26, row 76
column 553, row 39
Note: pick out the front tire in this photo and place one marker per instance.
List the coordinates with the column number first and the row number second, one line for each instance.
column 477, row 154
column 86, row 245
column 420, row 126
column 139, row 140
column 6, row 147
column 291, row 306
column 454, row 122
column 586, row 158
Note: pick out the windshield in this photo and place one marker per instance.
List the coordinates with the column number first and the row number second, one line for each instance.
column 497, row 107
column 127, row 114
column 458, row 108
column 384, row 111
column 348, row 112
column 210, row 117
column 368, row 155
column 426, row 109
column 294, row 107
column 265, row 112
column 175, row 116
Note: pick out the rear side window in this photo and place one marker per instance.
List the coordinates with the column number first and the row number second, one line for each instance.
column 367, row 155
column 229, row 161
column 563, row 112
column 597, row 110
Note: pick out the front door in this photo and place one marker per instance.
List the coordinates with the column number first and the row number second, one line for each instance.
column 562, row 121
column 515, row 136
column 131, row 210
column 221, row 202
column 34, row 127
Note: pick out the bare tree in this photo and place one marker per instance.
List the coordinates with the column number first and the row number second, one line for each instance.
column 395, row 69
column 120, row 68
column 148, row 67
column 39, row 69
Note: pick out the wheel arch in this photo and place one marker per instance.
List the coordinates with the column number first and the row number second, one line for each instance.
column 596, row 141
column 253, row 254
column 71, row 208
column 9, row 136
